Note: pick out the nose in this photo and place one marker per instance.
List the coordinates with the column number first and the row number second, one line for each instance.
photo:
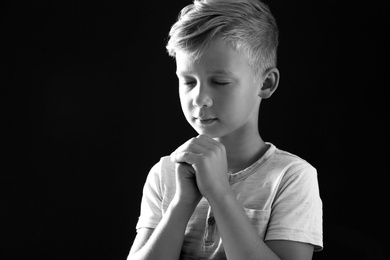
column 202, row 96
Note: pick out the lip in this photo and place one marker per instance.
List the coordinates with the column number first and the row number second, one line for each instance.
column 205, row 121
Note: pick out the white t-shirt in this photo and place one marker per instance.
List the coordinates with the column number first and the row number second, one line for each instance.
column 279, row 194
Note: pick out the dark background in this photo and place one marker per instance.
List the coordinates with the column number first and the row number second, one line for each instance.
column 89, row 103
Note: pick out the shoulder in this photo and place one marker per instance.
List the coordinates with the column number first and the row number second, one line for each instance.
column 162, row 171
column 163, row 166
column 290, row 164
column 287, row 158
column 291, row 172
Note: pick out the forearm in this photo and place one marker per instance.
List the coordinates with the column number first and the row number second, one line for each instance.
column 239, row 238
column 167, row 239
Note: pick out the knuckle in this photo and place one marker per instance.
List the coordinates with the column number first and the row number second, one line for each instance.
column 185, row 154
column 221, row 147
column 188, row 144
column 187, row 157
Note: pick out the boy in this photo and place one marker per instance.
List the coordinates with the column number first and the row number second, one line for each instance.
column 227, row 194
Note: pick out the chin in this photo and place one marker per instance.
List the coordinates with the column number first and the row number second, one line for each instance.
column 207, row 132
column 213, row 133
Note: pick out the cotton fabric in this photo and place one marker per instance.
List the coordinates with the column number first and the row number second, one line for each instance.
column 279, row 194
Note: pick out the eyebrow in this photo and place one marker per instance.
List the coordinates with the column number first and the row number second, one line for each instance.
column 220, row 72
column 214, row 72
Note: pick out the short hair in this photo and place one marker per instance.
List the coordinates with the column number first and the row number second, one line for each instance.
column 246, row 25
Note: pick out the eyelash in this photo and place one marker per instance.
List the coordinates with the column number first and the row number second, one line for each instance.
column 213, row 82
column 220, row 83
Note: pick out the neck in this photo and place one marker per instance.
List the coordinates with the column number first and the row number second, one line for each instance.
column 243, row 150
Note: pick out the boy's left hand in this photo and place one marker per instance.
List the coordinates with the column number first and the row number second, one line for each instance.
column 208, row 158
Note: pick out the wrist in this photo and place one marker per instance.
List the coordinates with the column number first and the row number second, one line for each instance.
column 221, row 196
column 218, row 192
column 183, row 206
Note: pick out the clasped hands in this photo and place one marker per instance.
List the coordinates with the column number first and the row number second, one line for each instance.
column 201, row 169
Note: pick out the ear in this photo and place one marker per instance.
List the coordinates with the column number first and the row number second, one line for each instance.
column 270, row 82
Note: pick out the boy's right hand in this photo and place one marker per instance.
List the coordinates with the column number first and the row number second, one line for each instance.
column 187, row 191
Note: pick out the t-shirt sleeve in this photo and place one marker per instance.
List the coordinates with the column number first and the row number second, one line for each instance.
column 296, row 213
column 151, row 202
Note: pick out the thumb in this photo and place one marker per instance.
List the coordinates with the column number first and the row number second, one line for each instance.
column 185, row 170
column 184, row 157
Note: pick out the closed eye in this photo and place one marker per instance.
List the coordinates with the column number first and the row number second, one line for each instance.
column 189, row 83
column 220, row 83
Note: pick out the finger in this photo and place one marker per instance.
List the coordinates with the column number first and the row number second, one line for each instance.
column 178, row 150
column 185, row 167
column 185, row 157
column 207, row 142
column 193, row 145
column 210, row 143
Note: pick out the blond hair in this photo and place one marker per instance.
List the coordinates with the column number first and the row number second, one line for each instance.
column 247, row 25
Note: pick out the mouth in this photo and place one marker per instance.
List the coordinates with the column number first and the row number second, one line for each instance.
column 205, row 121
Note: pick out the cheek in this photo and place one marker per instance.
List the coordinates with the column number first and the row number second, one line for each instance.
column 185, row 103
column 240, row 105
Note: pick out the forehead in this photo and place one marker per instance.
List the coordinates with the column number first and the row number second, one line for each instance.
column 218, row 57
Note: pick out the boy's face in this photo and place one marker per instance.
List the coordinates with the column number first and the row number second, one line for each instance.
column 219, row 92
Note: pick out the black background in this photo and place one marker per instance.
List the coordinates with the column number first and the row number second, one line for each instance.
column 89, row 103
